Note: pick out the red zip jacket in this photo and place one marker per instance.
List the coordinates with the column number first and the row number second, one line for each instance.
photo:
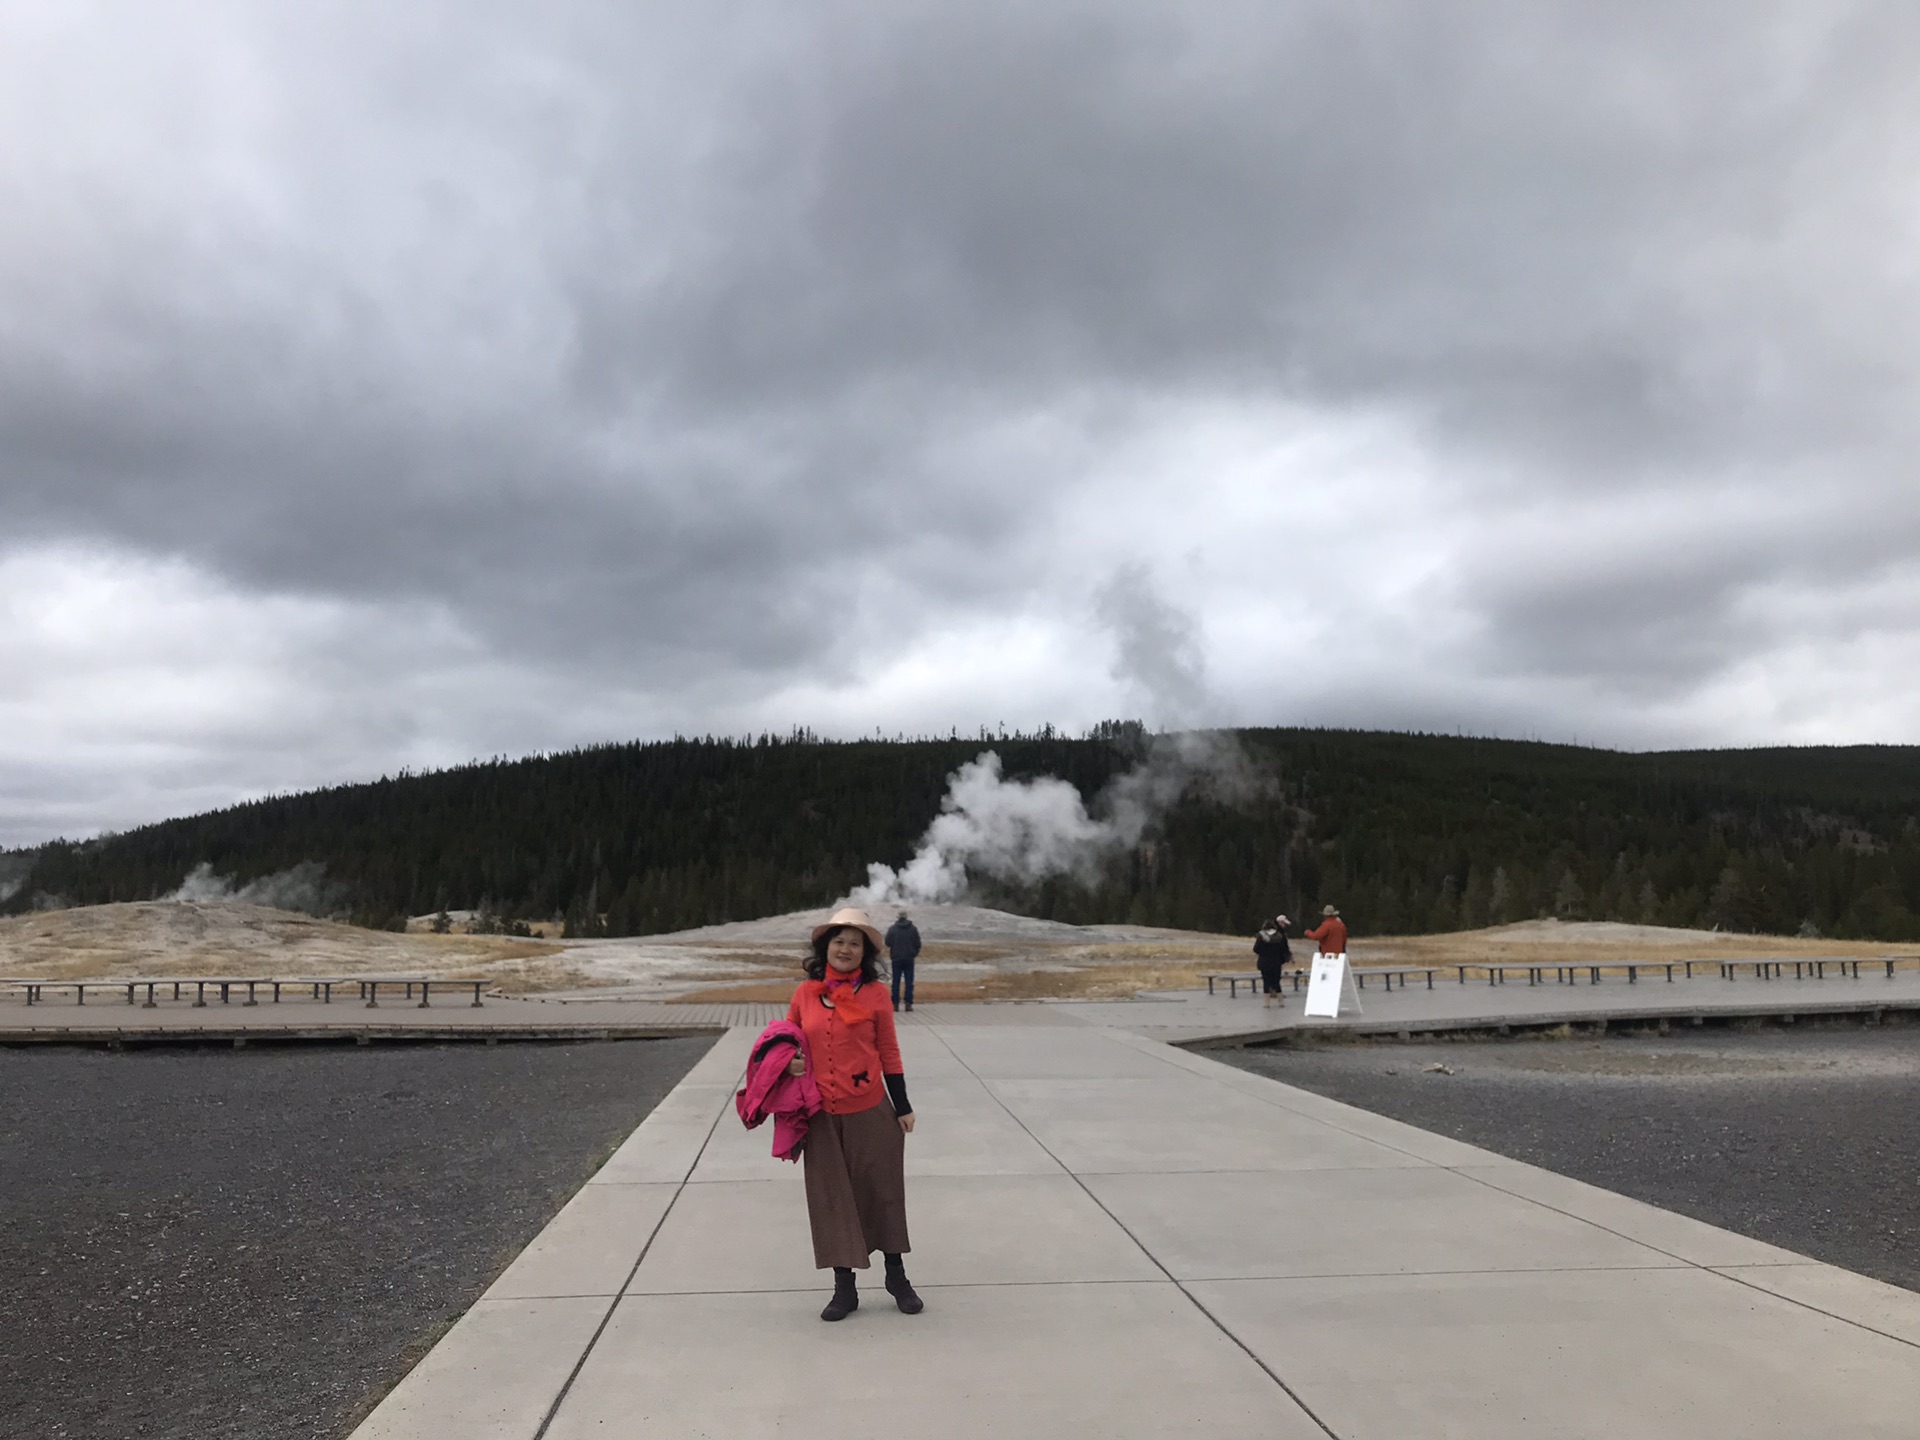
column 850, row 1047
column 770, row 1090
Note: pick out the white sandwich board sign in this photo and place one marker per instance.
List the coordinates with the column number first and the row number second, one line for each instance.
column 1330, row 987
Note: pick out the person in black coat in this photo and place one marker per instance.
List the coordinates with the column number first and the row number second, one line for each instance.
column 1271, row 953
column 903, row 948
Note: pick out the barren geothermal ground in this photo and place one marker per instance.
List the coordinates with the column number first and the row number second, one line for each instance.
column 225, row 937
column 970, row 953
column 254, row 1245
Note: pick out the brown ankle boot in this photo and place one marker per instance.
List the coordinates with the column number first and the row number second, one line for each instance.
column 845, row 1299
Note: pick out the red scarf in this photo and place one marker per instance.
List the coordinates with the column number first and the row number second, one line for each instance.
column 844, row 984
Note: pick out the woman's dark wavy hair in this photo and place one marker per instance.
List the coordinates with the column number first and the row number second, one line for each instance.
column 869, row 957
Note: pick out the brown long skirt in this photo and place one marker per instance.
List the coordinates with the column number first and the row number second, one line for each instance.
column 856, row 1185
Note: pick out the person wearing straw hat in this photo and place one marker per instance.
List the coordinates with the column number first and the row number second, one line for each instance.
column 1331, row 932
column 855, row 1154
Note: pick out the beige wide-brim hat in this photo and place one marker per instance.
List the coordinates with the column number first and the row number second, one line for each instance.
column 856, row 918
column 1329, row 911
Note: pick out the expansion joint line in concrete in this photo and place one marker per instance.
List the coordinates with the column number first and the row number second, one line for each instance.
column 1695, row 1264
column 1172, row 1280
column 586, row 1353
column 1805, row 1305
column 1589, row 1220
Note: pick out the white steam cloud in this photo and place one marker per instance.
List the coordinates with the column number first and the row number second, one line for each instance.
column 1022, row 832
column 304, row 887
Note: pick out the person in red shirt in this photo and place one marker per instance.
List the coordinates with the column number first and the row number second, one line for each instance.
column 855, row 1154
column 1331, row 932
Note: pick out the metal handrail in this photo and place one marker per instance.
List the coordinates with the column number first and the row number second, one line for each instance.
column 226, row 987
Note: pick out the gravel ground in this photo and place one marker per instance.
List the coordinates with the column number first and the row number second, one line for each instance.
column 1808, row 1139
column 212, row 1243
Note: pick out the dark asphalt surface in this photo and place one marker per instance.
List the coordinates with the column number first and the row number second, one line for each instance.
column 1808, row 1139
column 259, row 1243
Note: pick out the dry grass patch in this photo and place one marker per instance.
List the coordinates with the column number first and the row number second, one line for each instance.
column 162, row 939
column 1549, row 942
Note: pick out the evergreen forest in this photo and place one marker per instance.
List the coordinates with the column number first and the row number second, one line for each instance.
column 1405, row 833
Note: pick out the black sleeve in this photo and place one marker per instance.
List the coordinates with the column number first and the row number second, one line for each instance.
column 897, row 1093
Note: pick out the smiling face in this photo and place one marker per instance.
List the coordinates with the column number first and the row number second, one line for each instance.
column 846, row 949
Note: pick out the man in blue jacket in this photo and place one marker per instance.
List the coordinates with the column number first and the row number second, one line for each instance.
column 903, row 944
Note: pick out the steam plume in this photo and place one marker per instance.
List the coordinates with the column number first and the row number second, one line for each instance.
column 1022, row 832
column 1156, row 648
column 304, row 887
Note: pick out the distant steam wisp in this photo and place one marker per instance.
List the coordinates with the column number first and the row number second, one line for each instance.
column 304, row 887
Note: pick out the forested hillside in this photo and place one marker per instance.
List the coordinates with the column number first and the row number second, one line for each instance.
column 1405, row 833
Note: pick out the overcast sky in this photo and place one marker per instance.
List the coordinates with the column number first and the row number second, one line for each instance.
column 392, row 385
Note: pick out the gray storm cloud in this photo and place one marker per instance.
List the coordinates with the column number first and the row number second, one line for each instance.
column 693, row 365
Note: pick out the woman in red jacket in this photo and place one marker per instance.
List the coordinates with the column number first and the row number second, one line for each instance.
column 856, row 1145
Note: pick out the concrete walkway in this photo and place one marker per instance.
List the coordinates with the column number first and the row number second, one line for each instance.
column 1118, row 1238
